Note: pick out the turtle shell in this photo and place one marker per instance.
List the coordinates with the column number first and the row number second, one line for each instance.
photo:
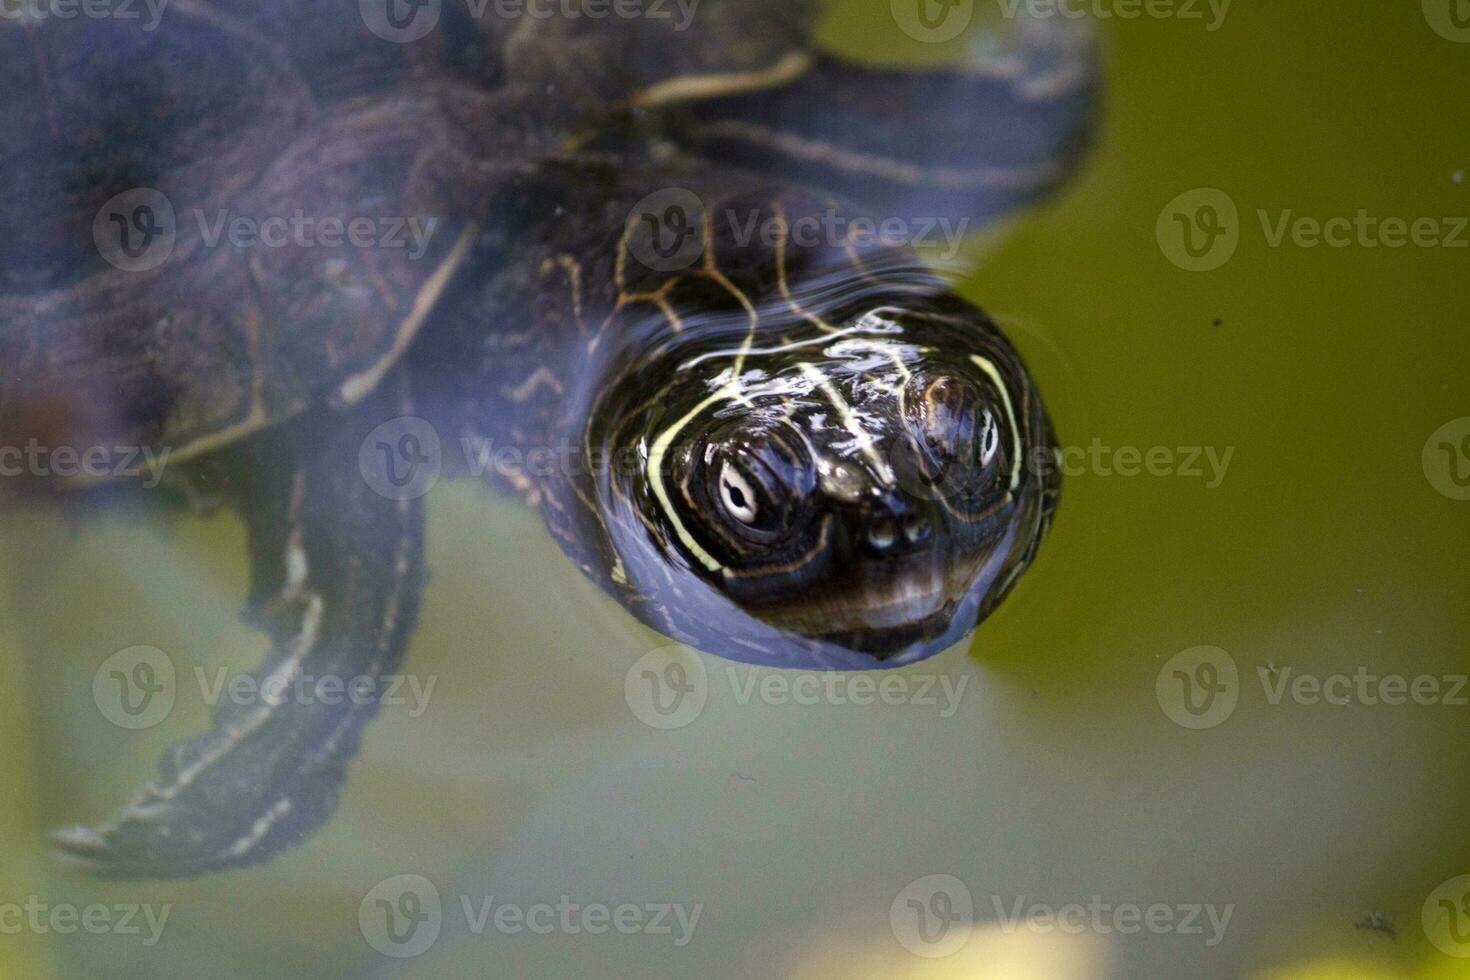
column 230, row 214
column 217, row 219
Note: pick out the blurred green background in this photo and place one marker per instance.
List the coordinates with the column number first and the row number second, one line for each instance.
column 1325, row 548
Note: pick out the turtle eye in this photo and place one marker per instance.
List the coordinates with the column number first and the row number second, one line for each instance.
column 759, row 491
column 960, row 442
column 989, row 440
column 949, row 414
column 737, row 496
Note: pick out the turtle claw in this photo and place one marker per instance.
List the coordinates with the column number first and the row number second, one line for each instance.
column 88, row 850
column 157, row 839
column 80, row 847
column 230, row 797
column 95, row 851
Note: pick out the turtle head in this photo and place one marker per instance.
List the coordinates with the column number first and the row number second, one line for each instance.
column 855, row 492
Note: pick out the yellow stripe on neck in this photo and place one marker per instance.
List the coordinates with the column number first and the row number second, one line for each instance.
column 696, row 88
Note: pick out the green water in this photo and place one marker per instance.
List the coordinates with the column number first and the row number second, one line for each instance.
column 1323, row 548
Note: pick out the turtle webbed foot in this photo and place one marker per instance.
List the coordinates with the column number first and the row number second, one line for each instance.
column 336, row 572
column 260, row 781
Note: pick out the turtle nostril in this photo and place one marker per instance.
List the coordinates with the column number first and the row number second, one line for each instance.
column 916, row 529
column 883, row 535
column 897, row 532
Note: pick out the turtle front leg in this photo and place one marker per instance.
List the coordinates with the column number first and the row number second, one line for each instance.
column 337, row 569
column 937, row 147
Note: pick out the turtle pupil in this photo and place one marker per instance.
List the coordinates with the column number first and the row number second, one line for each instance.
column 737, row 496
column 990, row 441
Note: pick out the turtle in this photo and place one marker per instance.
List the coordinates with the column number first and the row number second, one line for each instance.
column 660, row 290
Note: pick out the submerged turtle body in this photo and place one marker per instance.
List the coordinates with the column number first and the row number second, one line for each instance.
column 130, row 319
column 645, row 254
column 179, row 183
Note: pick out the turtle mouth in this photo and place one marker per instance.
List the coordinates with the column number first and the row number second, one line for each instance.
column 914, row 609
column 887, row 642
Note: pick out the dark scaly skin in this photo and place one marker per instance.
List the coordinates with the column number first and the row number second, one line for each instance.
column 530, row 325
